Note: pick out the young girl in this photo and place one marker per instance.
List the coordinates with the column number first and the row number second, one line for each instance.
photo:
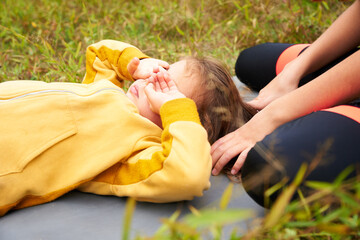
column 148, row 143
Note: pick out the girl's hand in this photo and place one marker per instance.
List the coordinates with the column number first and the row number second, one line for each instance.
column 142, row 69
column 285, row 82
column 160, row 89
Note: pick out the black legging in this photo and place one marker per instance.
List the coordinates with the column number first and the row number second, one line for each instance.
column 325, row 139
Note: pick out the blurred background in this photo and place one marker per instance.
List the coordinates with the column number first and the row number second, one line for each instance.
column 46, row 40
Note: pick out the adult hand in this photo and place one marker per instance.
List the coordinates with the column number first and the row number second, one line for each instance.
column 142, row 69
column 233, row 144
column 160, row 89
column 285, row 82
column 243, row 139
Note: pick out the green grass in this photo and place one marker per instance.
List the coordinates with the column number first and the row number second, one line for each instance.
column 331, row 212
column 46, row 40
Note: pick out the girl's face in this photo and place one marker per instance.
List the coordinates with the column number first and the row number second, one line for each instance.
column 137, row 94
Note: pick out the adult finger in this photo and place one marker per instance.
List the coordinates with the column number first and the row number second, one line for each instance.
column 220, row 143
column 258, row 103
column 226, row 157
column 240, row 161
column 227, row 153
column 220, row 150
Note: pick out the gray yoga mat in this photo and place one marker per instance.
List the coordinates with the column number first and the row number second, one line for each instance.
column 79, row 215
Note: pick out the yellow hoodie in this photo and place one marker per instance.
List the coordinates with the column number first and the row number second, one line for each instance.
column 56, row 137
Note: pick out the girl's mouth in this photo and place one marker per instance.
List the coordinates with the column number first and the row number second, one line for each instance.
column 134, row 90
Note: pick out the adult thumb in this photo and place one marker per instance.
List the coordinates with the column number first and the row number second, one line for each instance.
column 257, row 103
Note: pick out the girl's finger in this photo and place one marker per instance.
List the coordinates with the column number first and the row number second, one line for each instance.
column 150, row 93
column 164, row 64
column 149, row 80
column 156, row 69
column 163, row 84
column 161, row 69
column 149, row 89
column 133, row 65
column 157, row 86
column 171, row 83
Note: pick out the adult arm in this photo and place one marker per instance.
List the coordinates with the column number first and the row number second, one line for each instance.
column 338, row 85
column 342, row 36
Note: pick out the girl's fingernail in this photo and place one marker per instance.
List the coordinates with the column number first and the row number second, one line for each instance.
column 233, row 172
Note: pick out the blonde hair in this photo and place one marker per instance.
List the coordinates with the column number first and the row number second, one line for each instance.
column 220, row 106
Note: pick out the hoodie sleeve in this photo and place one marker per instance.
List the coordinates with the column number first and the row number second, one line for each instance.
column 176, row 169
column 108, row 59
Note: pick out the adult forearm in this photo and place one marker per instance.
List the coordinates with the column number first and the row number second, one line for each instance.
column 342, row 36
column 338, row 85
